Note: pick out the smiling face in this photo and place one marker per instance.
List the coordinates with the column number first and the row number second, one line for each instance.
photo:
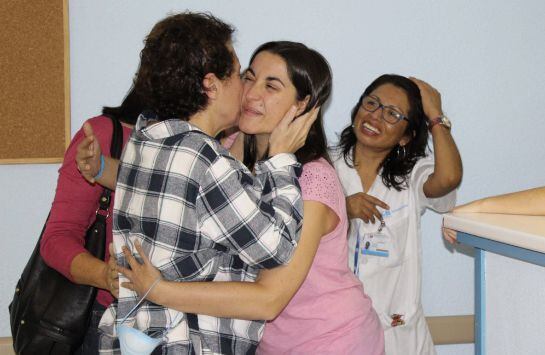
column 375, row 133
column 267, row 95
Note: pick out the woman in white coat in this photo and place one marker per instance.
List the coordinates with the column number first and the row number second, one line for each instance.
column 389, row 182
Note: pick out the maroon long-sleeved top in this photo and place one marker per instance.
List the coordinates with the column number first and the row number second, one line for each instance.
column 74, row 207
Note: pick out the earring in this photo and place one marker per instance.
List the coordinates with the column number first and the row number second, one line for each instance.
column 401, row 151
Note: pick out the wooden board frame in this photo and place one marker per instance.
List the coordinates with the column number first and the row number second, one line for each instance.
column 12, row 158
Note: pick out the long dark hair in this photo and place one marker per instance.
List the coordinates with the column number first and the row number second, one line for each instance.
column 311, row 75
column 399, row 162
column 129, row 110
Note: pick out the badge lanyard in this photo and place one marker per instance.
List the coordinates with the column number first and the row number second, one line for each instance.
column 358, row 247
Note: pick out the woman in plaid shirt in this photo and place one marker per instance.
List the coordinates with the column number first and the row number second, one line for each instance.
column 200, row 214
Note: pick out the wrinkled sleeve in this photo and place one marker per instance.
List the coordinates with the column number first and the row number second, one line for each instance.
column 421, row 171
column 258, row 218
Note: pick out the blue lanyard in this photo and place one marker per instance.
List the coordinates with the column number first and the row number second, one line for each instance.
column 356, row 255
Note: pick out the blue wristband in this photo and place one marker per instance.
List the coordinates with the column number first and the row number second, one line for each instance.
column 101, row 170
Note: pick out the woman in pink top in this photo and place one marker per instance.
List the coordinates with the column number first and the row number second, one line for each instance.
column 315, row 305
column 329, row 314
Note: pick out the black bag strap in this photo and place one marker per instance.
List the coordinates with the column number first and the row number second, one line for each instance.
column 115, row 152
column 117, row 139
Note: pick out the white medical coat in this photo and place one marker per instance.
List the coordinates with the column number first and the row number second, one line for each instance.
column 394, row 283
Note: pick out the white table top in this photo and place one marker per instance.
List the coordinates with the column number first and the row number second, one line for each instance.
column 522, row 231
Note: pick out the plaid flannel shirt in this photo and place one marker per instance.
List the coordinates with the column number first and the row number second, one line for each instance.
column 200, row 215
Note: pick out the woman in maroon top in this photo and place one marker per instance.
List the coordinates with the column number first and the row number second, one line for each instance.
column 73, row 210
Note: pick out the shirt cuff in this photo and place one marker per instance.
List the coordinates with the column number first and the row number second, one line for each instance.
column 276, row 162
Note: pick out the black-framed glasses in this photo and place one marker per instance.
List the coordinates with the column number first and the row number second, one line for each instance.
column 389, row 114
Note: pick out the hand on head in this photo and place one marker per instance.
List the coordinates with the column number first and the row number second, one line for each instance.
column 291, row 133
column 431, row 98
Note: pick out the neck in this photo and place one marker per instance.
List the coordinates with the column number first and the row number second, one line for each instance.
column 368, row 160
column 205, row 122
column 262, row 141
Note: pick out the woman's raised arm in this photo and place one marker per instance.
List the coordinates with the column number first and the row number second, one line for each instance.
column 447, row 174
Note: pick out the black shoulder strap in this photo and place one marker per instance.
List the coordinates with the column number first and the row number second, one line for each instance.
column 117, row 139
column 115, row 152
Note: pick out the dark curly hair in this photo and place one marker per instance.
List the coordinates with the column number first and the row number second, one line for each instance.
column 179, row 51
column 311, row 75
column 397, row 166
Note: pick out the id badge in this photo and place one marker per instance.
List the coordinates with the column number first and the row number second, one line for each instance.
column 377, row 244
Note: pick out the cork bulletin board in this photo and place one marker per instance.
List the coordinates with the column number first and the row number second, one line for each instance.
column 34, row 81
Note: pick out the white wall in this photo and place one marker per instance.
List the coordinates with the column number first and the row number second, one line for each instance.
column 514, row 293
column 485, row 57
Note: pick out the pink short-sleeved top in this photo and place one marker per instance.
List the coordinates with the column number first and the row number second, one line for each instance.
column 330, row 312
